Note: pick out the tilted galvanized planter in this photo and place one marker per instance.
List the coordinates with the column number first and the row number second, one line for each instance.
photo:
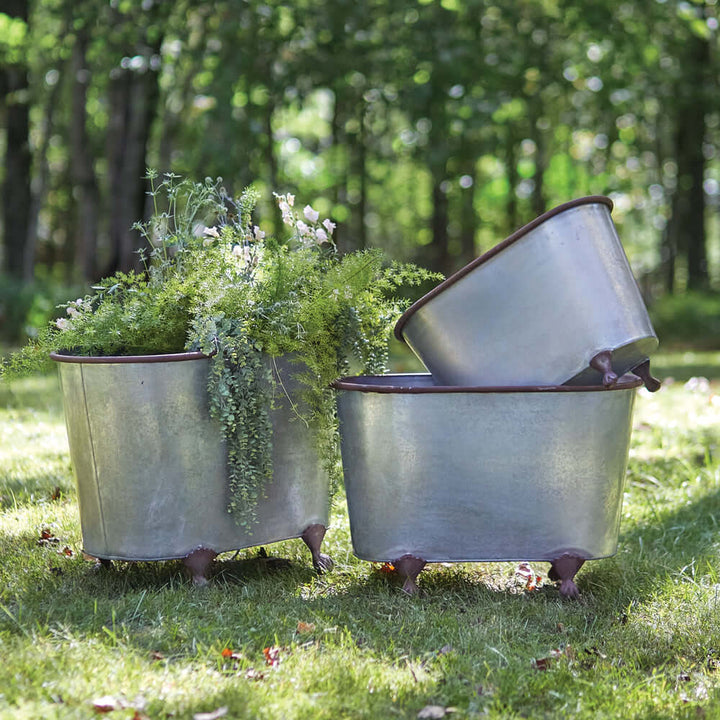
column 554, row 303
column 466, row 474
column 150, row 464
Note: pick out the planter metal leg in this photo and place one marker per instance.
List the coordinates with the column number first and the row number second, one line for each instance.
column 409, row 567
column 198, row 564
column 313, row 536
column 602, row 362
column 643, row 372
column 564, row 569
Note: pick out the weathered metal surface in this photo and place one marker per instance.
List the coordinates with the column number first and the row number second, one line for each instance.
column 536, row 308
column 479, row 474
column 150, row 463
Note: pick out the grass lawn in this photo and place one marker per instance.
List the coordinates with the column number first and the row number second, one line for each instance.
column 270, row 639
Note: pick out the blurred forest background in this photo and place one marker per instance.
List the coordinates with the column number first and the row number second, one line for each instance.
column 430, row 128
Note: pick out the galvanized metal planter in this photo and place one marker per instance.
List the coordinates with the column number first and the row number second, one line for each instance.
column 554, row 303
column 150, row 464
column 465, row 474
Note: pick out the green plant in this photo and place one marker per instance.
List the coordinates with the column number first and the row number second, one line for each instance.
column 214, row 282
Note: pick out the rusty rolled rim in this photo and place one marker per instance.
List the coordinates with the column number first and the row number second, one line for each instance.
column 362, row 383
column 524, row 230
column 68, row 357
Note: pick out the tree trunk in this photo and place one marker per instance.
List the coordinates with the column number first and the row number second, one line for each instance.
column 42, row 181
column 362, row 176
column 686, row 230
column 133, row 102
column 84, row 259
column 511, row 210
column 468, row 218
column 16, row 188
column 442, row 259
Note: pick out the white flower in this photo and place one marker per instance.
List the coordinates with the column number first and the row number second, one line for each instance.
column 290, row 199
column 211, row 232
column 303, row 229
column 62, row 323
column 258, row 233
column 310, row 214
column 284, row 207
column 321, row 235
column 72, row 311
column 238, row 251
column 329, row 225
column 247, row 255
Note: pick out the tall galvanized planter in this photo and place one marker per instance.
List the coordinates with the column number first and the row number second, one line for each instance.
column 150, row 464
column 459, row 474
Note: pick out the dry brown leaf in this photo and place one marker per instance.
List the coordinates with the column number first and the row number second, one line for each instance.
column 272, row 656
column 107, row 703
column 531, row 579
column 303, row 627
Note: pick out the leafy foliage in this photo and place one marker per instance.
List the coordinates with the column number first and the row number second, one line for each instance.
column 214, row 283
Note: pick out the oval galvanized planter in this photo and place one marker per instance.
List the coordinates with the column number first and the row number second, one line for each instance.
column 150, row 464
column 538, row 308
column 466, row 474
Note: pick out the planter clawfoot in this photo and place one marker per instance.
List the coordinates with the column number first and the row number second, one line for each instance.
column 313, row 536
column 409, row 567
column 602, row 362
column 652, row 384
column 198, row 563
column 564, row 569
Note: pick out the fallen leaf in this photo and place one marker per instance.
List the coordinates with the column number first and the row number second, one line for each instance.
column 214, row 715
column 226, row 652
column 67, row 551
column 56, row 493
column 303, row 627
column 432, row 712
column 107, row 703
column 253, row 674
column 385, row 568
column 272, row 656
column 47, row 538
column 155, row 655
column 556, row 654
column 532, row 580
